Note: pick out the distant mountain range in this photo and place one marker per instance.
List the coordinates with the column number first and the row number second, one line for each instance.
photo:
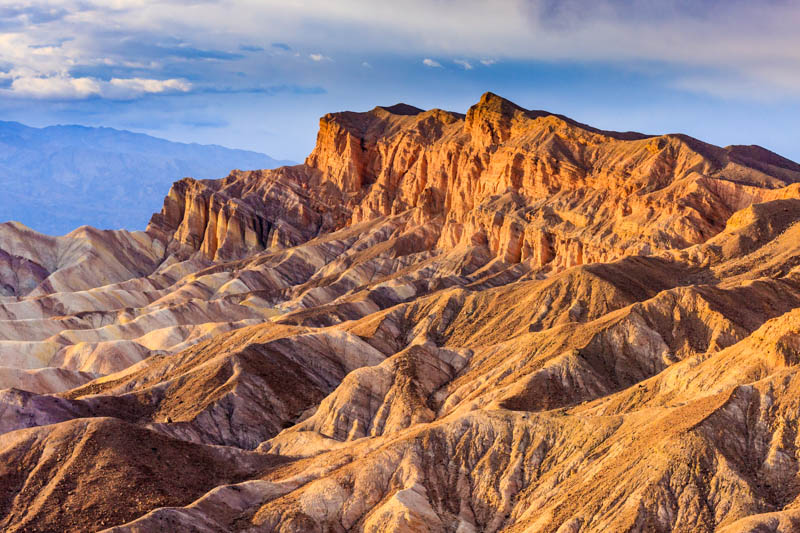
column 58, row 178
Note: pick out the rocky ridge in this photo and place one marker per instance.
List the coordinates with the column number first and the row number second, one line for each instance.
column 498, row 321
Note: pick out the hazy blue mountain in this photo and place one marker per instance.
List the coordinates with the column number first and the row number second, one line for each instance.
column 57, row 178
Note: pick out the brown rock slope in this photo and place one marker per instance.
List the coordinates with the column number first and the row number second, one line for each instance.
column 498, row 321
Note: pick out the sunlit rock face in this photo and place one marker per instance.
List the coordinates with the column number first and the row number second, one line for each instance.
column 498, row 321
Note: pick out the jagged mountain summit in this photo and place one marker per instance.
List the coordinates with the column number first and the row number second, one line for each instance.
column 57, row 178
column 498, row 321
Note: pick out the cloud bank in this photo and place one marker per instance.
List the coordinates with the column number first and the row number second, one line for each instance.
column 723, row 46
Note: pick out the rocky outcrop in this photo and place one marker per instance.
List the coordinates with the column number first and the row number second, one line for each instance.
column 204, row 217
column 530, row 185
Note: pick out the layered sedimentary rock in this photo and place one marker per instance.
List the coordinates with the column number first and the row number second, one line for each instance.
column 498, row 321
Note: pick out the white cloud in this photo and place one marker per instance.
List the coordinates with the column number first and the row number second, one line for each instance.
column 488, row 62
column 428, row 62
column 133, row 87
column 466, row 65
column 366, row 65
column 57, row 87
column 68, row 88
column 319, row 57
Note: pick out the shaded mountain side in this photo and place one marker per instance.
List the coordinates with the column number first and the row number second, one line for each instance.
column 503, row 320
column 54, row 477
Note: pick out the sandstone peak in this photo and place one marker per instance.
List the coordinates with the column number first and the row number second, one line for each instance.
column 492, row 102
column 490, row 120
column 493, row 118
column 402, row 109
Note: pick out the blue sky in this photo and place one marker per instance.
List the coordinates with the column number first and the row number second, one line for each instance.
column 258, row 74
